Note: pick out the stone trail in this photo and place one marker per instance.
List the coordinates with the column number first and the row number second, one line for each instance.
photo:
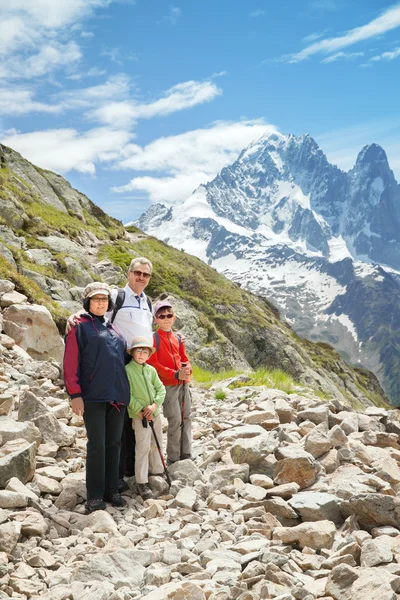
column 287, row 497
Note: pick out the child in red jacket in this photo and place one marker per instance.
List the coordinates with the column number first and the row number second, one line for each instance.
column 174, row 369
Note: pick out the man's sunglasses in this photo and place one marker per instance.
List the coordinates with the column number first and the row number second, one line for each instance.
column 168, row 316
column 141, row 274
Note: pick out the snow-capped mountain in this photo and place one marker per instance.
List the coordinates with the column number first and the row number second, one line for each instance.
column 323, row 244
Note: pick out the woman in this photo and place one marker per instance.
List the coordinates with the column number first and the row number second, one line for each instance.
column 96, row 381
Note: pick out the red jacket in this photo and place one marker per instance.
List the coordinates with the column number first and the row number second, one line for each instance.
column 168, row 358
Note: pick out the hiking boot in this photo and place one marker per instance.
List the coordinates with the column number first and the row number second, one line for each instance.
column 122, row 486
column 186, row 457
column 170, row 462
column 115, row 499
column 144, row 491
column 95, row 504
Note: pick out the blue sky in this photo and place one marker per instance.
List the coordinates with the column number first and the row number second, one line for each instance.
column 141, row 101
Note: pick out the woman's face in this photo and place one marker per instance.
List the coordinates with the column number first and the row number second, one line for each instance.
column 98, row 304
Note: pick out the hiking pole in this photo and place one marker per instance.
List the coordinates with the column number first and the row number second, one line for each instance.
column 151, row 423
column 184, row 364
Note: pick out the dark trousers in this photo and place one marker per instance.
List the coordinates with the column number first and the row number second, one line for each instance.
column 104, row 423
column 127, row 456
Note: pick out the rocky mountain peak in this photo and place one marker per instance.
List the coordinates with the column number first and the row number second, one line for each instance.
column 372, row 162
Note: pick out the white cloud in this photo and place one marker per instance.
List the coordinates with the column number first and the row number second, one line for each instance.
column 36, row 35
column 387, row 55
column 185, row 161
column 174, row 14
column 345, row 55
column 388, row 20
column 20, row 101
column 63, row 150
column 180, row 97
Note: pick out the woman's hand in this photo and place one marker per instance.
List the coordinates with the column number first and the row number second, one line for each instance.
column 78, row 407
column 148, row 411
column 72, row 320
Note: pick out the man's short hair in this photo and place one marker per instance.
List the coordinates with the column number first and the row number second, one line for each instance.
column 141, row 260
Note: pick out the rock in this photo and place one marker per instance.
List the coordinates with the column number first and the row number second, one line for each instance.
column 251, row 493
column 15, row 485
column 225, row 476
column 10, row 298
column 46, row 485
column 295, row 465
column 376, row 552
column 253, row 450
column 17, row 459
column 54, row 431
column 317, row 442
column 99, row 522
column 6, row 404
column 316, row 415
column 6, row 286
column 12, row 499
column 9, row 535
column 39, row 557
column 33, row 524
column 219, row 501
column 375, row 583
column 241, row 432
column 186, row 471
column 373, row 510
column 12, row 430
column 120, row 568
column 337, row 436
column 284, row 491
column 262, row 480
column 185, row 498
column 317, row 506
column 177, row 591
column 340, row 582
column 313, row 535
column 31, row 407
column 33, row 328
column 52, row 472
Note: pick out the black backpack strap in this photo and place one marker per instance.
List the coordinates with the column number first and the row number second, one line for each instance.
column 149, row 304
column 118, row 303
column 157, row 340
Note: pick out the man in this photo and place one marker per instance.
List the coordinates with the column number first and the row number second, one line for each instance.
column 134, row 318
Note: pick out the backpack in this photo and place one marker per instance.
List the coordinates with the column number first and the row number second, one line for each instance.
column 157, row 338
column 120, row 300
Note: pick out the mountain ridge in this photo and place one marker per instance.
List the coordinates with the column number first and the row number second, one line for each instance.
column 285, row 223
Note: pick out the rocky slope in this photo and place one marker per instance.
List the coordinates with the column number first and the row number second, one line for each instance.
column 287, row 224
column 54, row 240
column 287, row 497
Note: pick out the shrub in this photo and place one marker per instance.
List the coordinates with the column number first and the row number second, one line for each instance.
column 220, row 395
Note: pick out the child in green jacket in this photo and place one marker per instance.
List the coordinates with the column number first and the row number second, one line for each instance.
column 147, row 396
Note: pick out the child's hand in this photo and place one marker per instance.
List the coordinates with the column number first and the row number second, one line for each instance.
column 149, row 411
column 184, row 373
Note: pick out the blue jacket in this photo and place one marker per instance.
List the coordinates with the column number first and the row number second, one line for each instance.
column 94, row 362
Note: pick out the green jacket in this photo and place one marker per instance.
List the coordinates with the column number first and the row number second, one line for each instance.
column 146, row 388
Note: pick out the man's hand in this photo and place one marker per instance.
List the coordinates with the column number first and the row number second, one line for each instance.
column 183, row 373
column 71, row 321
column 148, row 411
column 78, row 406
